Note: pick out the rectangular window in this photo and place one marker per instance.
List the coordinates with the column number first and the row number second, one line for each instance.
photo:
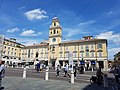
column 66, row 48
column 87, row 54
column 66, row 54
column 82, row 53
column 81, row 47
column 100, row 54
column 92, row 46
column 74, row 54
column 75, row 48
column 29, row 53
column 60, row 48
column 87, row 48
column 60, row 54
column 41, row 55
column 92, row 54
column 99, row 46
column 42, row 49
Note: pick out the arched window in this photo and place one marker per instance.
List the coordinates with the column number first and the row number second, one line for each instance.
column 37, row 54
column 54, row 24
column 54, row 31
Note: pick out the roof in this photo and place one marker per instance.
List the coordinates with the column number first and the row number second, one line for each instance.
column 35, row 45
column 78, row 41
column 13, row 42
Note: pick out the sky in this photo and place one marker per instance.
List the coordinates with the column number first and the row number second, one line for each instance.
column 28, row 20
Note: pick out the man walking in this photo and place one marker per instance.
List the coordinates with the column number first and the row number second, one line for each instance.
column 58, row 70
column 2, row 72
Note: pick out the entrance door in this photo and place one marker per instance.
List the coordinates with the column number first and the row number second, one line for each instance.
column 101, row 64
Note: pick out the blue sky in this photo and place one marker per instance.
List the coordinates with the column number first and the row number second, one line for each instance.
column 28, row 20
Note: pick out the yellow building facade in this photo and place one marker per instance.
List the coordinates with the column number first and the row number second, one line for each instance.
column 88, row 52
column 11, row 50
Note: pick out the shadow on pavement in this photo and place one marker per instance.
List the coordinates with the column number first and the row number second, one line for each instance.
column 94, row 87
column 112, row 85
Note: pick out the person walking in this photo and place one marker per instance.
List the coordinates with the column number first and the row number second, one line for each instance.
column 38, row 67
column 75, row 71
column 2, row 72
column 99, row 75
column 117, row 74
column 58, row 70
column 66, row 70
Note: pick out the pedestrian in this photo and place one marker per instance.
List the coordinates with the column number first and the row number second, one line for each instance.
column 75, row 71
column 38, row 67
column 99, row 75
column 66, row 70
column 58, row 70
column 2, row 72
column 117, row 75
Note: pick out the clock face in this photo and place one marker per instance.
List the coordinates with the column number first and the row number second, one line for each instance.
column 54, row 39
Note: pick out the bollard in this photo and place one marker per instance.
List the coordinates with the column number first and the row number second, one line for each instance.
column 46, row 74
column 84, row 69
column 22, row 66
column 24, row 73
column 105, row 79
column 92, row 70
column 72, row 76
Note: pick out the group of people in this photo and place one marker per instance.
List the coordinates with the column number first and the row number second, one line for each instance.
column 66, row 70
column 39, row 66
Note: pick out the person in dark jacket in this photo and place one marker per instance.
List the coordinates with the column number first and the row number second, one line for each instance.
column 75, row 71
column 2, row 73
column 38, row 67
column 99, row 75
column 58, row 70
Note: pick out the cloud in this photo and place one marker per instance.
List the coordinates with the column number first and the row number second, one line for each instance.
column 86, row 23
column 28, row 33
column 112, row 52
column 36, row 14
column 110, row 12
column 110, row 35
column 29, row 41
column 71, row 32
column 13, row 30
column 40, row 33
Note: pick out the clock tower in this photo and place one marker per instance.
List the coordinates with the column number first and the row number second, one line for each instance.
column 55, row 35
column 55, row 32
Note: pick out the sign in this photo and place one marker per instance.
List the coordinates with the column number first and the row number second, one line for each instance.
column 70, row 61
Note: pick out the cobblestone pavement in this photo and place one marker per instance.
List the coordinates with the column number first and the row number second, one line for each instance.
column 18, row 83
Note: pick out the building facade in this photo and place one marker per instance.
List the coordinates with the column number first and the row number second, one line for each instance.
column 89, row 52
column 11, row 50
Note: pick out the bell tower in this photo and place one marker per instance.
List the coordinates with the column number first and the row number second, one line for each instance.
column 55, row 32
